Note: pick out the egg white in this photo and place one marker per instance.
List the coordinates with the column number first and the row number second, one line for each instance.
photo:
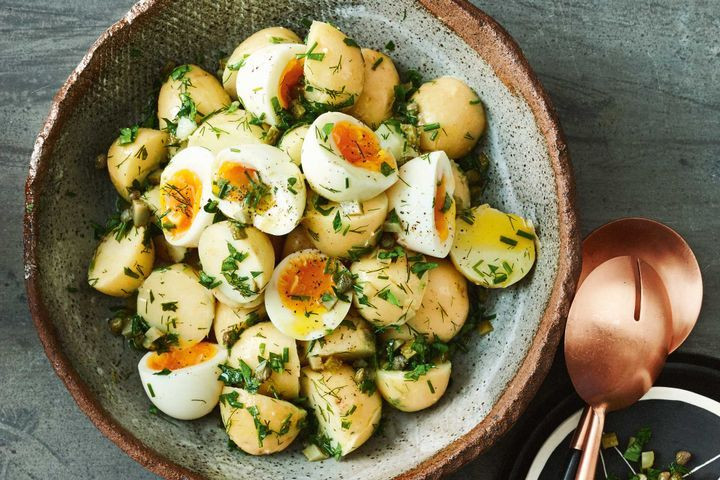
column 186, row 393
column 329, row 174
column 276, row 170
column 199, row 161
column 296, row 324
column 258, row 79
column 413, row 199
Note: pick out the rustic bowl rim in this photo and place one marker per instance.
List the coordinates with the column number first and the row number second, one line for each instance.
column 508, row 62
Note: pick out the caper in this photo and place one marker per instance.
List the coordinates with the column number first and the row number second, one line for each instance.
column 398, row 363
column 387, row 241
column 682, row 457
column 141, row 213
column 116, row 324
column 664, row 476
column 343, row 280
column 272, row 135
column 297, row 110
column 238, row 231
column 101, row 161
column 263, row 371
column 360, row 375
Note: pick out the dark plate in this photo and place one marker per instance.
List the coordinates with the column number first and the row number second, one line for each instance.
column 682, row 423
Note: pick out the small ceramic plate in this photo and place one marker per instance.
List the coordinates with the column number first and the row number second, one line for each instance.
column 686, row 418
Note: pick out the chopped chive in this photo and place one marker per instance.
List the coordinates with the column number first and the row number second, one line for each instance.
column 508, row 241
column 150, row 389
column 431, row 126
column 377, row 62
column 524, row 234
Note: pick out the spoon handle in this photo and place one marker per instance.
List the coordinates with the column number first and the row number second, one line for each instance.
column 588, row 460
column 576, row 444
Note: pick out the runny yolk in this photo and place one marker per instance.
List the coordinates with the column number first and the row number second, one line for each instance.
column 302, row 284
column 441, row 222
column 289, row 79
column 359, row 145
column 180, row 199
column 181, row 357
column 238, row 176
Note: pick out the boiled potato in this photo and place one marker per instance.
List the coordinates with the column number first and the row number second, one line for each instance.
column 130, row 163
column 374, row 105
column 120, row 266
column 166, row 253
column 292, row 141
column 403, row 333
column 451, row 116
column 345, row 414
column 173, row 301
column 445, row 305
column 337, row 228
column 151, row 197
column 265, row 343
column 257, row 424
column 296, row 240
column 229, row 322
column 256, row 41
column 462, row 188
column 398, row 139
column 202, row 88
column 241, row 260
column 387, row 292
column 496, row 250
column 227, row 129
column 334, row 68
column 352, row 339
column 409, row 395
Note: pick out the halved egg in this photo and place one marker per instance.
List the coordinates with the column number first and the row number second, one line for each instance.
column 423, row 201
column 259, row 185
column 308, row 295
column 185, row 188
column 343, row 160
column 183, row 382
column 269, row 79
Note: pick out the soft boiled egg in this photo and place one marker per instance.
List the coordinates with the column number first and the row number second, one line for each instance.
column 183, row 382
column 260, row 185
column 269, row 79
column 308, row 296
column 423, row 201
column 343, row 161
column 185, row 188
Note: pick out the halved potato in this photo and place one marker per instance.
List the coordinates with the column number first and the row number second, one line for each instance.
column 130, row 163
column 257, row 424
column 256, row 41
column 351, row 340
column 345, row 414
column 337, row 228
column 451, row 115
column 119, row 267
column 296, row 240
column 386, row 291
column 228, row 129
column 496, row 250
column 334, row 67
column 292, row 141
column 172, row 300
column 410, row 395
column 445, row 305
column 374, row 105
column 265, row 343
column 230, row 322
column 190, row 82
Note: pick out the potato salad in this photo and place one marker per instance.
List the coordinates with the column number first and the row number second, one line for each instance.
column 302, row 240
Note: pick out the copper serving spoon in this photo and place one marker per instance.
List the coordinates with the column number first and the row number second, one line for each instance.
column 616, row 341
column 668, row 253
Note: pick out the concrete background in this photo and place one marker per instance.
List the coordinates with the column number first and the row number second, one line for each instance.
column 637, row 86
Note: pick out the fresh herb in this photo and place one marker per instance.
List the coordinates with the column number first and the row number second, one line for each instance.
column 418, row 371
column 169, row 306
column 130, row 273
column 396, row 252
column 351, row 43
column 447, row 203
column 337, row 222
column 241, row 377
column 377, row 63
column 419, row 268
column 291, row 185
column 389, row 297
column 310, row 55
column 207, row 281
column 524, row 234
column 179, row 72
column 386, row 169
column 128, row 135
column 390, row 46
column 262, row 429
column 508, row 241
column 634, row 449
column 211, row 206
column 231, row 399
column 164, row 371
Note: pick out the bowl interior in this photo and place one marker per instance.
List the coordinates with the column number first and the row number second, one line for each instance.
column 112, row 93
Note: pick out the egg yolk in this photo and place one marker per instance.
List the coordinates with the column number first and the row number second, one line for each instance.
column 302, row 285
column 182, row 357
column 180, row 200
column 289, row 80
column 359, row 146
column 441, row 221
column 239, row 177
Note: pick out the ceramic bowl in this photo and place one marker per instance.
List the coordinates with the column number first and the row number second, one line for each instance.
column 530, row 175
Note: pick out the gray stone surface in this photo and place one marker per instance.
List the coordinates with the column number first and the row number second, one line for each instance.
column 637, row 88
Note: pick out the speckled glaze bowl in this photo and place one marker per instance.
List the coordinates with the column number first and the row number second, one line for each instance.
column 530, row 175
